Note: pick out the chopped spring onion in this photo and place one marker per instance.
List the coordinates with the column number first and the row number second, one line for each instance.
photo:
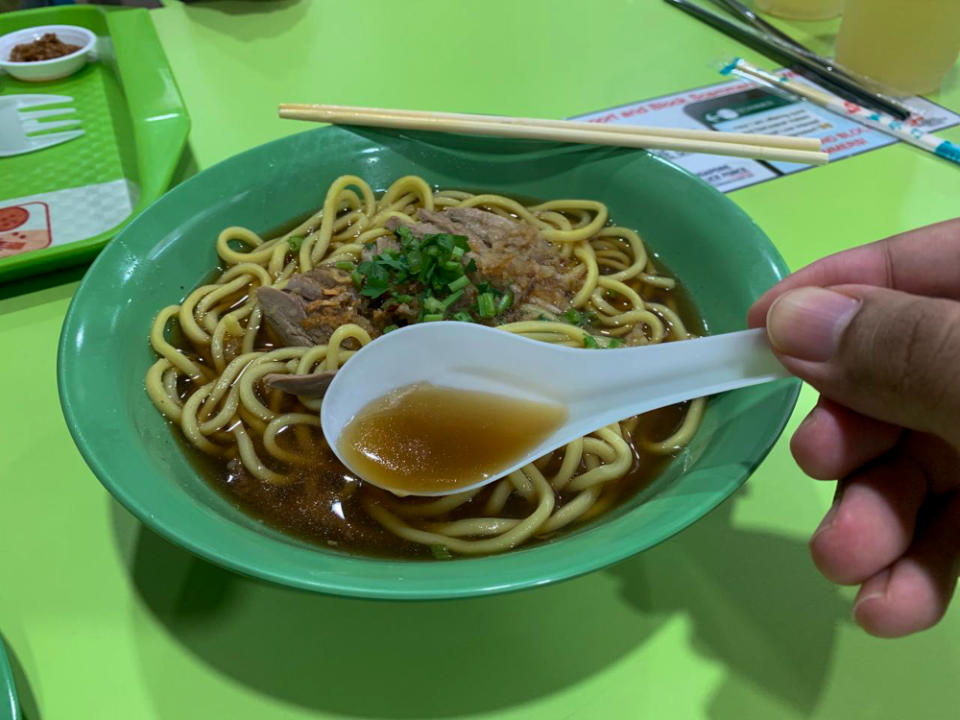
column 440, row 552
column 390, row 328
column 435, row 261
column 452, row 298
column 295, row 241
column 505, row 302
column 590, row 342
column 614, row 343
column 432, row 305
column 462, row 317
column 576, row 317
column 459, row 284
column 415, row 261
column 486, row 306
column 344, row 265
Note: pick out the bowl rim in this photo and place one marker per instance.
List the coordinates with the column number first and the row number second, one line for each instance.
column 87, row 46
column 508, row 571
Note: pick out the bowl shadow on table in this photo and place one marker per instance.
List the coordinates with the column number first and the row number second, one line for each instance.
column 25, row 292
column 752, row 599
column 755, row 603
column 248, row 19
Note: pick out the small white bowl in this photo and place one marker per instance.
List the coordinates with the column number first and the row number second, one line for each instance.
column 56, row 68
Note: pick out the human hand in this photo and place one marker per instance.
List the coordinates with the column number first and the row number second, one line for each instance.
column 876, row 330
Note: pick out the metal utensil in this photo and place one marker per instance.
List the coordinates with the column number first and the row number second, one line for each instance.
column 785, row 53
column 18, row 129
column 748, row 16
column 745, row 14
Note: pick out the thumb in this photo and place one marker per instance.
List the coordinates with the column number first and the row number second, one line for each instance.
column 884, row 353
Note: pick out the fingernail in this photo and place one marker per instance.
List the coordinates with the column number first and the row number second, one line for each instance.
column 808, row 323
column 831, row 515
column 810, row 419
column 878, row 588
column 827, row 521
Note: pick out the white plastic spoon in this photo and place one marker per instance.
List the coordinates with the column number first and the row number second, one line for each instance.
column 597, row 387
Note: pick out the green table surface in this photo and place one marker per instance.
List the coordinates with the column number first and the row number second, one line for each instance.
column 729, row 620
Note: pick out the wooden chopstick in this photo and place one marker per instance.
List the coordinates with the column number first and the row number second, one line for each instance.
column 784, row 141
column 761, row 147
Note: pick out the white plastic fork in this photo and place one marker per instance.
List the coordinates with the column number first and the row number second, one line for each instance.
column 16, row 126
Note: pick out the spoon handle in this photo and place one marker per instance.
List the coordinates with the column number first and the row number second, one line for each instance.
column 635, row 380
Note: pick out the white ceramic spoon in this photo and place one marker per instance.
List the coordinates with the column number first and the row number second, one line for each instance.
column 598, row 387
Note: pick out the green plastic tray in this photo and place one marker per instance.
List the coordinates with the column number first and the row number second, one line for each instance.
column 131, row 109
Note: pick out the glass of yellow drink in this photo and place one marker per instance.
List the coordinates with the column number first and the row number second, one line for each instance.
column 903, row 47
column 801, row 9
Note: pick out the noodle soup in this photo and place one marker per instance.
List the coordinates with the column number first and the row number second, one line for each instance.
column 244, row 360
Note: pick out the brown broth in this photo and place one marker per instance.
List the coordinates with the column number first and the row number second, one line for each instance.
column 324, row 502
column 426, row 439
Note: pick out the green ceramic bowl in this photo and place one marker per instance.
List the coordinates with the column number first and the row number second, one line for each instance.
column 714, row 248
column 9, row 706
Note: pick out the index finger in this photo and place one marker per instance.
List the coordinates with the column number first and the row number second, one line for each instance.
column 920, row 262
